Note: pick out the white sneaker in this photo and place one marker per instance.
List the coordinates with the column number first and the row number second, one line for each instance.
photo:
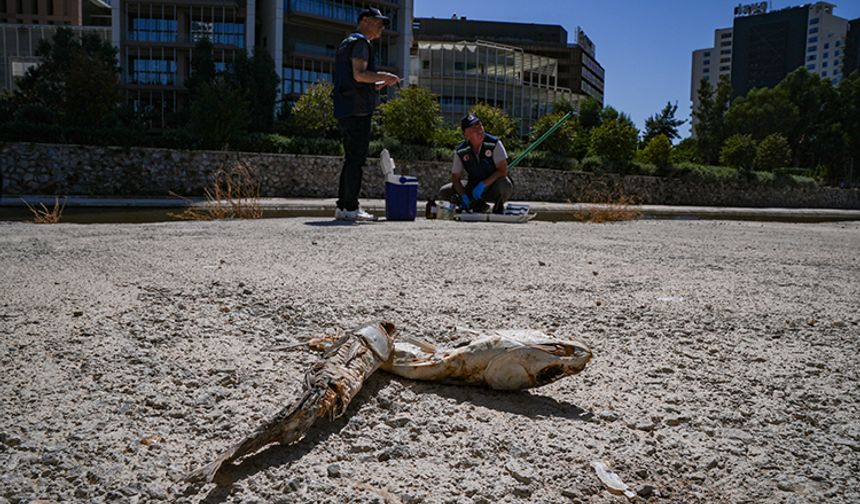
column 353, row 215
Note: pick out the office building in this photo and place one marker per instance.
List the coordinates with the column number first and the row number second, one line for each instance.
column 156, row 38
column 24, row 24
column 578, row 68
column 464, row 73
column 762, row 47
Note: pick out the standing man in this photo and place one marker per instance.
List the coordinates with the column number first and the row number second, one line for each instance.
column 483, row 158
column 355, row 95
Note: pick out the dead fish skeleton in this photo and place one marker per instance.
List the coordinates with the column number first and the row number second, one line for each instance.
column 330, row 385
column 502, row 360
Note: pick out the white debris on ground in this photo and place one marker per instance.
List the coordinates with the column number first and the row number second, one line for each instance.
column 725, row 360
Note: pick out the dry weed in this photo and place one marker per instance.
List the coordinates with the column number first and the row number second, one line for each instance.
column 234, row 194
column 45, row 216
column 609, row 206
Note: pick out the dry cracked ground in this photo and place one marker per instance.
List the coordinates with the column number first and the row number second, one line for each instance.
column 725, row 361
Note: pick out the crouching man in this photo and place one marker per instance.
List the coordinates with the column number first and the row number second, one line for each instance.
column 483, row 159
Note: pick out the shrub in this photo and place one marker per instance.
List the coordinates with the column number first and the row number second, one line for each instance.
column 658, row 151
column 773, row 152
column 448, row 137
column 561, row 142
column 685, row 151
column 313, row 112
column 219, row 116
column 739, row 152
column 413, row 117
column 615, row 141
column 592, row 164
column 497, row 122
column 35, row 114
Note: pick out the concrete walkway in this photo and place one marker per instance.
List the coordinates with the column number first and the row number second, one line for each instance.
column 319, row 206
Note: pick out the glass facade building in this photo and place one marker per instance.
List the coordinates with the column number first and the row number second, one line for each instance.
column 463, row 74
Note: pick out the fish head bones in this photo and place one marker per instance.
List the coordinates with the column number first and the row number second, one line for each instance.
column 526, row 359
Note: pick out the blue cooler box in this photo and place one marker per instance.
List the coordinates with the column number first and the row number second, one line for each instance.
column 401, row 197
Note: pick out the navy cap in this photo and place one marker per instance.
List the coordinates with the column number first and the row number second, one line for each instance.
column 469, row 121
column 374, row 13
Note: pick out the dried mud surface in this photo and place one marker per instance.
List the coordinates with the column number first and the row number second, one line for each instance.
column 725, row 360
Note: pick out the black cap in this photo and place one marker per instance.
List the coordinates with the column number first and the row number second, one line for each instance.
column 374, row 13
column 469, row 121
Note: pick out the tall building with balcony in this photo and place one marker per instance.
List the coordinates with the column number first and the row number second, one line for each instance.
column 23, row 25
column 155, row 40
column 578, row 68
column 465, row 73
column 852, row 48
column 762, row 47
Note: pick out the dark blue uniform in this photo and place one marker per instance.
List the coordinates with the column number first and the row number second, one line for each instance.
column 354, row 103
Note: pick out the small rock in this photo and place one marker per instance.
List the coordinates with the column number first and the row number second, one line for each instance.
column 78, row 314
column 645, row 491
column 608, row 416
column 333, row 471
column 643, row 425
column 522, row 491
column 675, row 420
column 541, row 263
column 520, row 472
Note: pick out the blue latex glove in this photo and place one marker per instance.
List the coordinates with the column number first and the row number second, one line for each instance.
column 464, row 200
column 478, row 191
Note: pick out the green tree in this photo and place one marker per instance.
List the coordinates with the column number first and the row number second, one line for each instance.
column 664, row 123
column 202, row 67
column 497, row 122
column 710, row 119
column 658, row 151
column 589, row 113
column 772, row 152
column 258, row 80
column 313, row 111
column 614, row 141
column 849, row 106
column 76, row 76
column 220, row 114
column 561, row 142
column 686, row 150
column 763, row 112
column 739, row 152
column 413, row 117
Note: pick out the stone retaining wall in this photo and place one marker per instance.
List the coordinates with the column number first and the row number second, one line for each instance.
column 27, row 168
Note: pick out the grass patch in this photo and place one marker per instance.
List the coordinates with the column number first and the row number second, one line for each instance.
column 45, row 216
column 234, row 194
column 609, row 206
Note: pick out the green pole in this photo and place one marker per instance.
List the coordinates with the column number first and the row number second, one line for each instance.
column 540, row 140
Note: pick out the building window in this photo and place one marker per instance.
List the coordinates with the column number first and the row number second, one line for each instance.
column 706, row 70
column 725, row 60
column 810, row 66
column 725, row 35
column 706, row 62
column 836, row 53
column 824, row 64
column 825, row 55
column 297, row 80
column 827, row 45
column 726, row 43
column 219, row 33
column 812, row 49
column 153, row 30
column 726, row 51
column 724, row 68
column 153, row 72
column 813, row 30
column 336, row 9
column 811, row 57
column 835, row 81
column 838, row 43
column 812, row 40
column 824, row 73
column 813, row 21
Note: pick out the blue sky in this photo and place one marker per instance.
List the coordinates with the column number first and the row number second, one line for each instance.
column 645, row 46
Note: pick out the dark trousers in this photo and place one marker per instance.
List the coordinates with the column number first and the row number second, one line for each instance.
column 355, row 131
column 497, row 194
